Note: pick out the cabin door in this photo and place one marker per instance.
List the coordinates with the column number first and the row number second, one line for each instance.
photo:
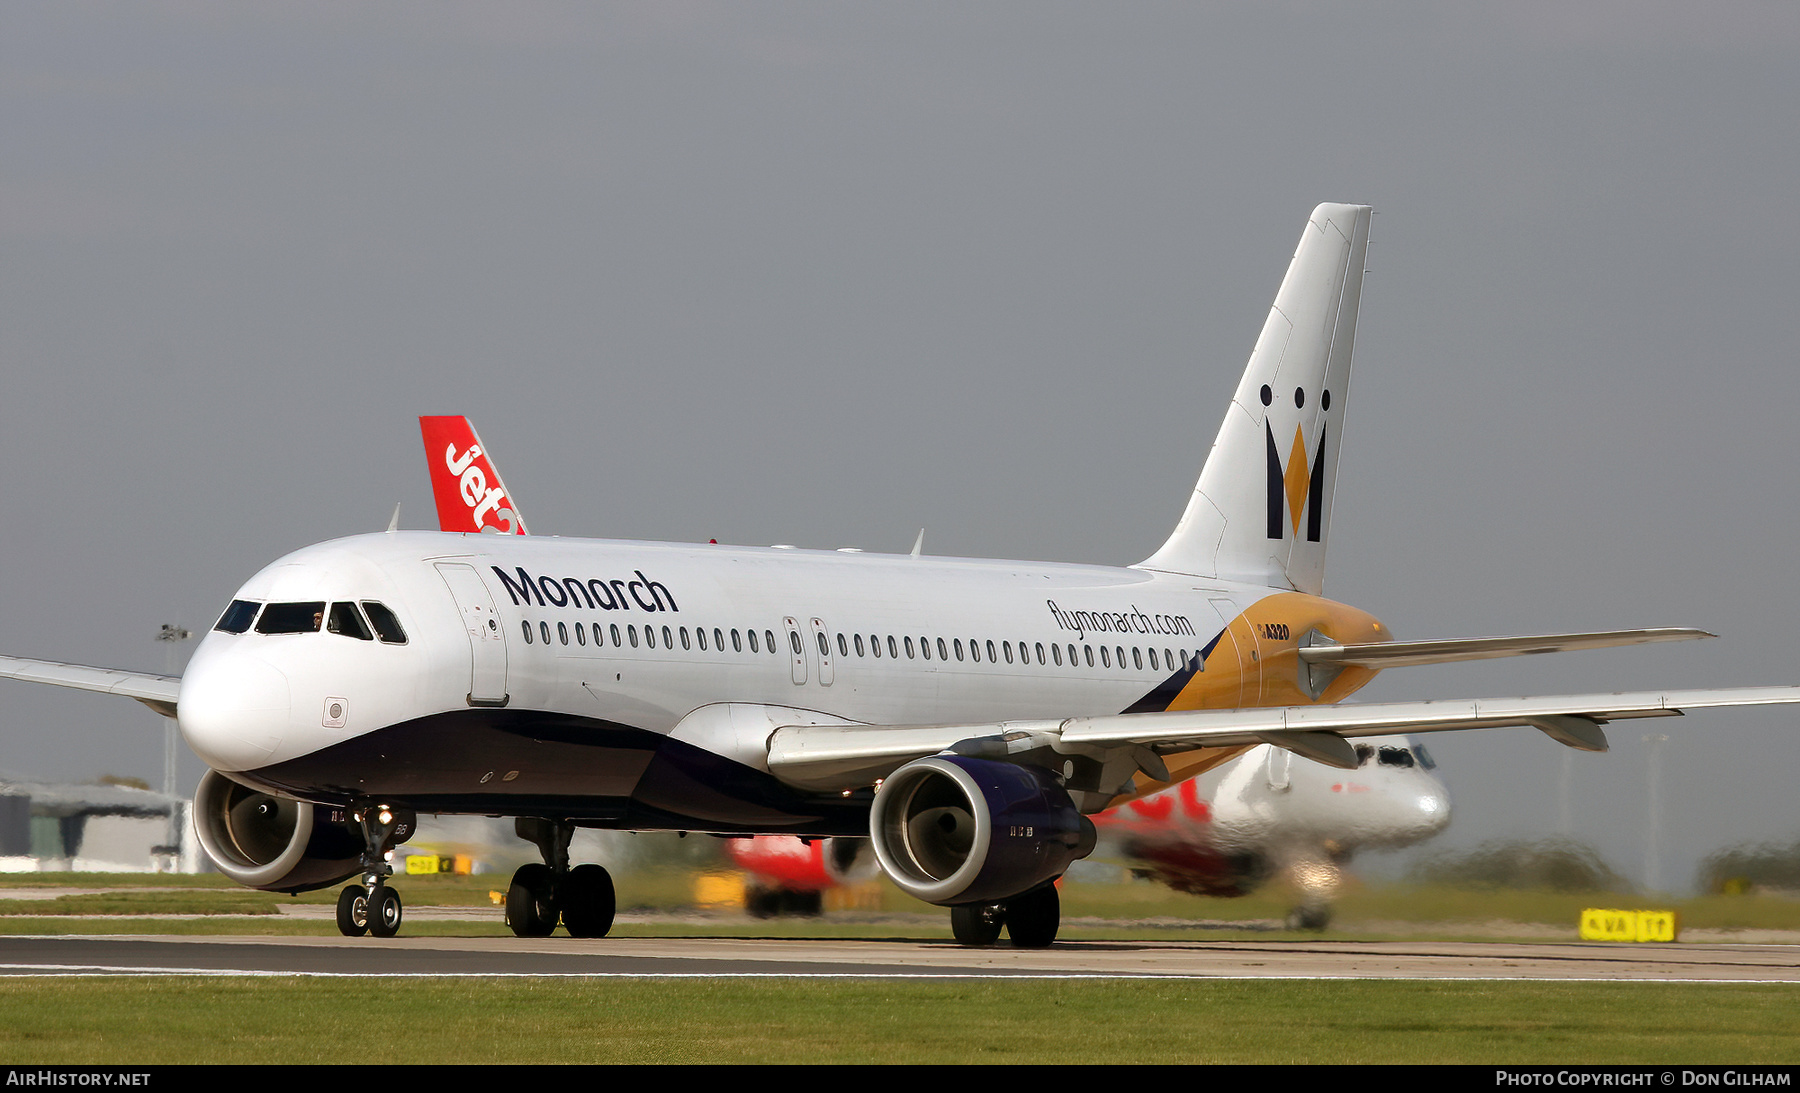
column 487, row 638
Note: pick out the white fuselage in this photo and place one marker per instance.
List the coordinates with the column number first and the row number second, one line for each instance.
column 567, row 665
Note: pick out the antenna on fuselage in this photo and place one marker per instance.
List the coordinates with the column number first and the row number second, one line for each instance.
column 919, row 543
column 394, row 520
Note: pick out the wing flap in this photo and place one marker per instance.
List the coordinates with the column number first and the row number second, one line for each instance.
column 160, row 693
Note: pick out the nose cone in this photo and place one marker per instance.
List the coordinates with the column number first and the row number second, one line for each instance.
column 234, row 707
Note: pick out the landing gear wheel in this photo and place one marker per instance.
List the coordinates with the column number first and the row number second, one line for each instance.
column 385, row 922
column 353, row 911
column 762, row 903
column 977, row 925
column 1312, row 917
column 587, row 901
column 1032, row 919
column 531, row 902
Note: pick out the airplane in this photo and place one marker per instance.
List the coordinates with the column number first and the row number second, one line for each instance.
column 968, row 716
column 1223, row 833
column 1228, row 831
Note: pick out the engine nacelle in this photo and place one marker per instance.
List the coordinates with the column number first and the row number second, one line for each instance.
column 277, row 845
column 950, row 829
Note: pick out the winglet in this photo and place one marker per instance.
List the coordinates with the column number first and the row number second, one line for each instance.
column 467, row 488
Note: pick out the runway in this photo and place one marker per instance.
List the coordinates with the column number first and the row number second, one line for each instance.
column 894, row 959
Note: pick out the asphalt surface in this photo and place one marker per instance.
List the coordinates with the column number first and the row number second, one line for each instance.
column 886, row 958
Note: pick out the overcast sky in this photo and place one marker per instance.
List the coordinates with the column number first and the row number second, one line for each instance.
column 827, row 273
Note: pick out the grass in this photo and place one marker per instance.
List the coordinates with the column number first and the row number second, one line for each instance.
column 175, row 1020
column 143, row 1020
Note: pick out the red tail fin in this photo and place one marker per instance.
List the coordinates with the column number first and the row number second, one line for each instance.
column 469, row 493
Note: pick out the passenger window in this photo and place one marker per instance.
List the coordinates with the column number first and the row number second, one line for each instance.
column 631, row 635
column 1089, row 650
column 580, row 634
column 1006, row 647
column 718, row 639
column 237, row 617
column 1137, row 658
column 615, row 635
column 345, row 619
column 387, row 624
column 1119, row 653
column 992, row 659
column 843, row 646
column 292, row 618
column 562, row 632
column 909, row 647
column 794, row 642
column 668, row 638
column 699, row 636
column 943, row 652
column 544, row 629
column 925, row 648
column 753, row 645
column 893, row 648
column 859, row 646
column 824, row 645
column 684, row 637
column 1055, row 652
column 649, row 637
column 526, row 626
column 769, row 640
column 1104, row 662
column 875, row 645
column 975, row 650
column 956, row 643
column 737, row 646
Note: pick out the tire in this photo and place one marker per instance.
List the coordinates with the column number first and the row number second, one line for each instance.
column 1312, row 918
column 1032, row 919
column 353, row 911
column 531, row 902
column 588, row 901
column 977, row 925
column 385, row 922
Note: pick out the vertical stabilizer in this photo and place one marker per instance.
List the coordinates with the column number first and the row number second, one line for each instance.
column 464, row 481
column 1262, row 508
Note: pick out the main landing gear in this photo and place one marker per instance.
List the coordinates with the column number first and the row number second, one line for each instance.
column 372, row 907
column 581, row 898
column 1031, row 920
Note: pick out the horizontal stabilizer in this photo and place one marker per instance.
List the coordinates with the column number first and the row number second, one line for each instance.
column 1395, row 654
column 160, row 693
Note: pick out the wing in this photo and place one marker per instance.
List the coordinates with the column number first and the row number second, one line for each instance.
column 160, row 693
column 833, row 757
column 1394, row 654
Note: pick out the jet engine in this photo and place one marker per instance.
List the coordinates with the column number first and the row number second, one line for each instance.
column 950, row 829
column 279, row 845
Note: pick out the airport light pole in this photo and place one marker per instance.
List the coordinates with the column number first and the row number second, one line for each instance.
column 1653, row 819
column 169, row 635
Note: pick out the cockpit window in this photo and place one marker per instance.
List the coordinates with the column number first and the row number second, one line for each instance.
column 1364, row 753
column 1425, row 759
column 291, row 618
column 237, row 617
column 345, row 619
column 1396, row 757
column 386, row 624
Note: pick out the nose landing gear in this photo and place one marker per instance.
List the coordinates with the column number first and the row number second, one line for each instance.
column 372, row 907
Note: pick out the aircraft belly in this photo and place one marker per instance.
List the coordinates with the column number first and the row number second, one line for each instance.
column 520, row 762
